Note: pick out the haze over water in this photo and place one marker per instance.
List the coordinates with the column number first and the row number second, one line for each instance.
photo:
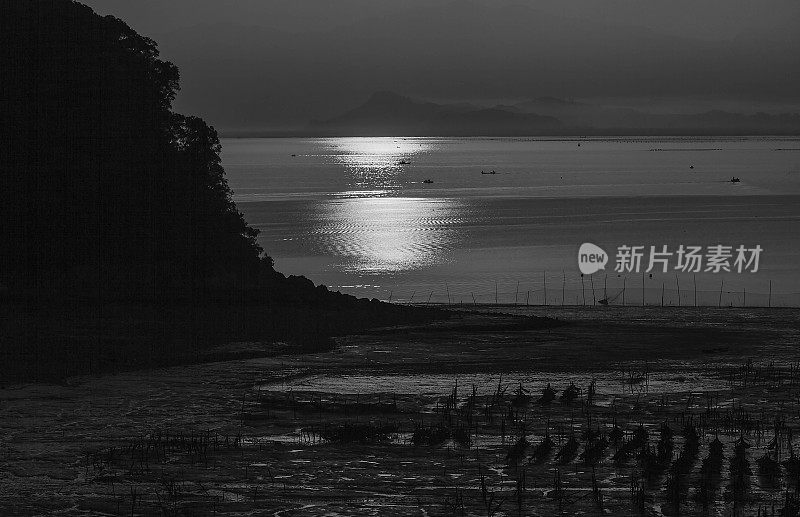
column 348, row 213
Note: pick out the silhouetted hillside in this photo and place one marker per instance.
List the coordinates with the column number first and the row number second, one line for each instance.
column 112, row 194
column 387, row 113
column 121, row 243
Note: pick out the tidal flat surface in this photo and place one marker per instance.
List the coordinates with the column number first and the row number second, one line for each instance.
column 429, row 420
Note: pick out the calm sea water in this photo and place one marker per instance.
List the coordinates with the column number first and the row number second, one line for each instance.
column 357, row 215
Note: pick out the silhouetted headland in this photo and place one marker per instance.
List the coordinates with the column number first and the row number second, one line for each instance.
column 124, row 247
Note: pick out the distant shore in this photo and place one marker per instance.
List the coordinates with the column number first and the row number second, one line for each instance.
column 576, row 133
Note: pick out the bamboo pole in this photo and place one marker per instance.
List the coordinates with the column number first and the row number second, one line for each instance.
column 544, row 282
column 642, row 287
column 583, row 289
column 624, row 281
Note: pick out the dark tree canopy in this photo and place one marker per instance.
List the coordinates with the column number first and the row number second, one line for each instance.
column 107, row 192
column 121, row 246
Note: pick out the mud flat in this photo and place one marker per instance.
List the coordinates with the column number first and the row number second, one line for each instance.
column 446, row 418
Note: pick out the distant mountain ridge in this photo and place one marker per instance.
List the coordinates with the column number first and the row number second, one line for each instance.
column 592, row 118
column 390, row 114
column 303, row 66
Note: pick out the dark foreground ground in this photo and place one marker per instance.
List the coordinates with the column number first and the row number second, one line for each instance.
column 438, row 419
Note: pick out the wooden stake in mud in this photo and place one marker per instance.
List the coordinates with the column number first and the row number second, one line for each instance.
column 527, row 298
column 473, row 299
column 624, row 281
column 390, row 296
column 412, row 296
column 429, row 297
column 583, row 289
column 544, row 281
column 642, row 287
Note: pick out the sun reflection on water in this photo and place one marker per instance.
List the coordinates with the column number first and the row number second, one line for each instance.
column 388, row 234
column 377, row 163
column 371, row 227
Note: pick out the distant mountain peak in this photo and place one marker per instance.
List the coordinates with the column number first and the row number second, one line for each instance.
column 389, row 113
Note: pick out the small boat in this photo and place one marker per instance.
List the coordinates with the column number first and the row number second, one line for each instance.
column 427, row 181
column 403, row 162
column 491, row 172
column 735, row 180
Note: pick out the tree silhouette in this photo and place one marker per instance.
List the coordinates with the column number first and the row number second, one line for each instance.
column 110, row 194
column 120, row 245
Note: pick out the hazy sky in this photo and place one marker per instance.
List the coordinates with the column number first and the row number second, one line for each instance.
column 258, row 64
